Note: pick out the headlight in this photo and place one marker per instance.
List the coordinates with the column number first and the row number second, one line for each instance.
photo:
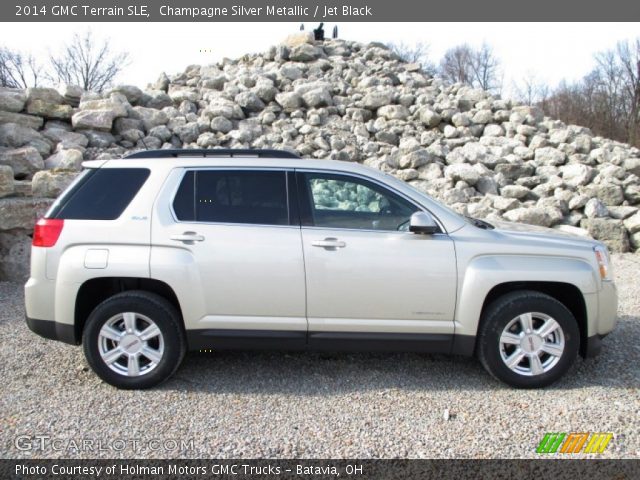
column 602, row 257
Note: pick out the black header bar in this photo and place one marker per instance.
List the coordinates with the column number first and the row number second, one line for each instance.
column 318, row 11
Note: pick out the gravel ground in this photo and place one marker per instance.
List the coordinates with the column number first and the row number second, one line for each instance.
column 230, row 405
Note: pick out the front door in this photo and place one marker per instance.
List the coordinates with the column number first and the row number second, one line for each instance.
column 370, row 282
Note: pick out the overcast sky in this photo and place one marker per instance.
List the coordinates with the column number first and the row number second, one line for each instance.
column 552, row 51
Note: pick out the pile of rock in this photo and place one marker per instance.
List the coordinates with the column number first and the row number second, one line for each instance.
column 486, row 157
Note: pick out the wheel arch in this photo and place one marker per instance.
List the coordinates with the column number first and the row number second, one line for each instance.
column 566, row 293
column 570, row 281
column 94, row 291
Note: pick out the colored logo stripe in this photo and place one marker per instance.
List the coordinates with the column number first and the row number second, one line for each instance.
column 598, row 442
column 550, row 443
column 574, row 442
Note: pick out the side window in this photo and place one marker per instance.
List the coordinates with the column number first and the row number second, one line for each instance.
column 340, row 201
column 185, row 200
column 233, row 196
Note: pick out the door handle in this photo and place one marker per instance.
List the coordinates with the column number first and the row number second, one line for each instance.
column 329, row 243
column 187, row 237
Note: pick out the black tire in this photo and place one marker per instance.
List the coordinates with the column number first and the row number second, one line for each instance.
column 506, row 308
column 156, row 308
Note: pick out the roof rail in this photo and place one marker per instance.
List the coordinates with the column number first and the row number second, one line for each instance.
column 213, row 152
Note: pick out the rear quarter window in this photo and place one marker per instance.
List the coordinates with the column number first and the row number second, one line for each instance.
column 100, row 194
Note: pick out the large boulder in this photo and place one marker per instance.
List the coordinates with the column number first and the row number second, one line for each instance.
column 65, row 159
column 98, row 139
column 7, row 186
column 430, row 118
column 22, row 213
column 611, row 232
column 594, row 208
column 550, row 156
column 93, row 119
column 12, row 100
column 610, row 194
column 483, row 117
column 305, row 53
column 24, row 161
column 289, row 101
column 29, row 121
column 533, row 216
column 188, row 133
column 394, row 112
column 249, row 101
column 318, row 97
column 179, row 95
column 66, row 139
column 297, row 39
column 513, row 171
column 377, row 98
column 131, row 92
column 632, row 223
column 48, row 103
column 15, row 251
column 462, row 171
column 150, row 117
column 157, row 99
column 14, row 135
column 221, row 124
column 415, row 159
column 161, row 132
column 632, row 165
column 50, row 184
column 116, row 104
column 515, row 191
column 71, row 94
column 577, row 174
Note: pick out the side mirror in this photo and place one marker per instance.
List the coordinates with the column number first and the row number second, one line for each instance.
column 423, row 223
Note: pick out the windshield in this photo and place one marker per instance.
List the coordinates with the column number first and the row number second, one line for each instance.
column 470, row 220
column 397, row 181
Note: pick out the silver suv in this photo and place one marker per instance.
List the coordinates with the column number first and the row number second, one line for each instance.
column 146, row 257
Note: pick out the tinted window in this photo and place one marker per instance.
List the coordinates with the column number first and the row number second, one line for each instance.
column 184, row 204
column 101, row 194
column 233, row 196
column 338, row 201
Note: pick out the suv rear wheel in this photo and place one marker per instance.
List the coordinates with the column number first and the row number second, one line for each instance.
column 528, row 339
column 134, row 340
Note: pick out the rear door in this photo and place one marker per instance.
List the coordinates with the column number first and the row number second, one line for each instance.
column 370, row 282
column 240, row 240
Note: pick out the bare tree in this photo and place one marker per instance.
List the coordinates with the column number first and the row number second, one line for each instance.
column 479, row 67
column 87, row 63
column 18, row 70
column 607, row 100
column 530, row 90
column 414, row 53
column 629, row 57
column 486, row 69
column 455, row 66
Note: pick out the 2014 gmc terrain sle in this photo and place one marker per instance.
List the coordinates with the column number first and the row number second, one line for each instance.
column 146, row 257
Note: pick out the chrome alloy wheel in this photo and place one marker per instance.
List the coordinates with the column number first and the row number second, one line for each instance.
column 532, row 344
column 131, row 344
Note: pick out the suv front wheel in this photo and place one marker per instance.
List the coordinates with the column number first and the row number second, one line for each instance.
column 134, row 340
column 528, row 339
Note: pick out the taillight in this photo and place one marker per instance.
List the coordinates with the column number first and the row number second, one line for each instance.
column 47, row 232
